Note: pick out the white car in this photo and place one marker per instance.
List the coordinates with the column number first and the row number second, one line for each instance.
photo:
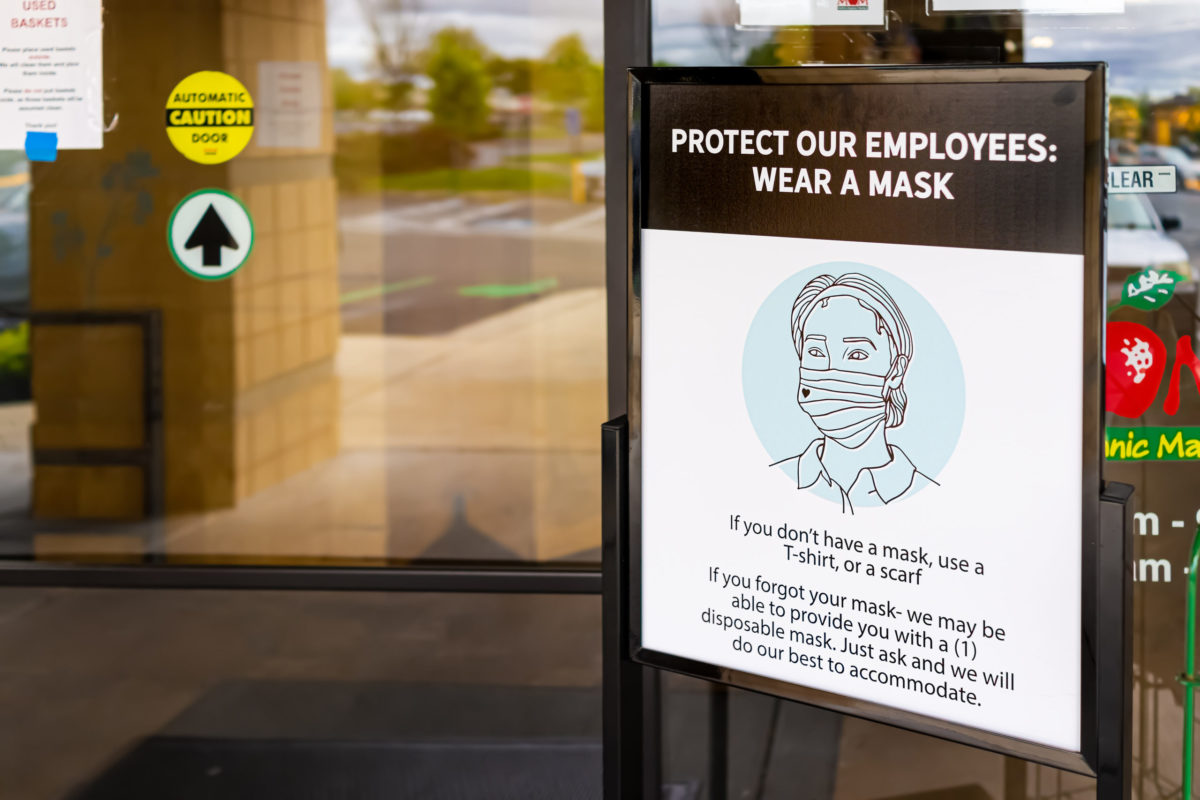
column 1137, row 239
column 1188, row 169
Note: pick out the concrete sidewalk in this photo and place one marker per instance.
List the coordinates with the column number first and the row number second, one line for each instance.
column 481, row 443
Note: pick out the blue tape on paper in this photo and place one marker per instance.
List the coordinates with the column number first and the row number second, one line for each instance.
column 41, row 146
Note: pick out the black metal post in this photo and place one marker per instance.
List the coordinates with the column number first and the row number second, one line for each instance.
column 632, row 734
column 718, row 742
column 1015, row 778
column 1114, row 646
column 626, row 44
column 462, row 579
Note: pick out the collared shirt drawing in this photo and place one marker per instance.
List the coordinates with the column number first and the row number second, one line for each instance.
column 872, row 486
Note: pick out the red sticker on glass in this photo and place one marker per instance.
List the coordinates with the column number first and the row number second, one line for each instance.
column 1135, row 360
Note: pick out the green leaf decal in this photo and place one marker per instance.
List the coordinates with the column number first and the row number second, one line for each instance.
column 1149, row 289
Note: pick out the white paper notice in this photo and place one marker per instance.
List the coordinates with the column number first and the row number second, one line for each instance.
column 51, row 72
column 289, row 104
column 749, row 512
column 1033, row 6
column 853, row 13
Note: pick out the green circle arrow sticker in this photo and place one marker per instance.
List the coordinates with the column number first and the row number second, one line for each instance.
column 210, row 234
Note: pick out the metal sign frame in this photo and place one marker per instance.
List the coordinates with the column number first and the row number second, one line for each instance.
column 1103, row 552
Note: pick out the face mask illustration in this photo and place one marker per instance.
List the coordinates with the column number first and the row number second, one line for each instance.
column 845, row 406
column 855, row 348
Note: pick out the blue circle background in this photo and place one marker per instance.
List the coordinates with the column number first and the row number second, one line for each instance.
column 934, row 382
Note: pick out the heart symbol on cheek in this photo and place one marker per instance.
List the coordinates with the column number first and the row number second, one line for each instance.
column 806, row 392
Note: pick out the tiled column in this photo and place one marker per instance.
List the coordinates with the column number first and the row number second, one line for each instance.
column 250, row 392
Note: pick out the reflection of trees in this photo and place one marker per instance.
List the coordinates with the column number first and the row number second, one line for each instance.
column 463, row 72
column 565, row 69
column 720, row 28
column 513, row 74
column 1124, row 118
column 352, row 95
column 393, row 30
column 567, row 75
column 395, row 35
column 1177, row 119
column 456, row 64
column 764, row 55
column 736, row 46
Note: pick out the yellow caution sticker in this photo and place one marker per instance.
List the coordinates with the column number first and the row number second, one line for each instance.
column 210, row 117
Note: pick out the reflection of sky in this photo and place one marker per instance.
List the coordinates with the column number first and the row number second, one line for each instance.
column 700, row 32
column 511, row 28
column 691, row 44
column 1152, row 47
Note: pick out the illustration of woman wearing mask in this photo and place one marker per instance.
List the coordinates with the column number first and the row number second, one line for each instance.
column 855, row 347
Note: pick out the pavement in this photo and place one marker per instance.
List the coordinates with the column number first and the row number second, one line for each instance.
column 495, row 152
column 478, row 443
column 426, row 264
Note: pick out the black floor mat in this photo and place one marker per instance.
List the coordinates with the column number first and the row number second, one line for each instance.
column 345, row 740
column 384, row 711
column 223, row 769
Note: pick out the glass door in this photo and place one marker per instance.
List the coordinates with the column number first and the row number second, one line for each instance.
column 301, row 294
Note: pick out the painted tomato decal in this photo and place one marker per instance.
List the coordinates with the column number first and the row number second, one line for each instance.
column 1135, row 360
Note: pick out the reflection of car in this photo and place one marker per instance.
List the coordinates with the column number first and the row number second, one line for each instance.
column 1122, row 151
column 1137, row 239
column 1192, row 150
column 1189, row 170
column 593, row 174
column 14, row 239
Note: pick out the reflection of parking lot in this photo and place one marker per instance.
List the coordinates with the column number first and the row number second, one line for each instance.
column 1186, row 207
column 421, row 265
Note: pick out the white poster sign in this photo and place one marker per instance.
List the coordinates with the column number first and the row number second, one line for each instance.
column 51, row 73
column 1033, row 6
column 885, row 583
column 861, row 470
column 844, row 13
column 289, row 104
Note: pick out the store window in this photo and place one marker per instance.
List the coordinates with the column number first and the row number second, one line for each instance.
column 409, row 366
column 1154, row 119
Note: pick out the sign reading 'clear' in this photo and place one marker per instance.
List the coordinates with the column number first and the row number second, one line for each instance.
column 1142, row 179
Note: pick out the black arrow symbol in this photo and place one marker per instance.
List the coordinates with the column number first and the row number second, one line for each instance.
column 211, row 235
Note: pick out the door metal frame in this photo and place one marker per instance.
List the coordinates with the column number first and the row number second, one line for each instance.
column 533, row 580
column 627, row 44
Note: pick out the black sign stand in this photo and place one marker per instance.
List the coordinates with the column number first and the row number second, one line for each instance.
column 632, row 734
column 1114, row 646
column 632, row 731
